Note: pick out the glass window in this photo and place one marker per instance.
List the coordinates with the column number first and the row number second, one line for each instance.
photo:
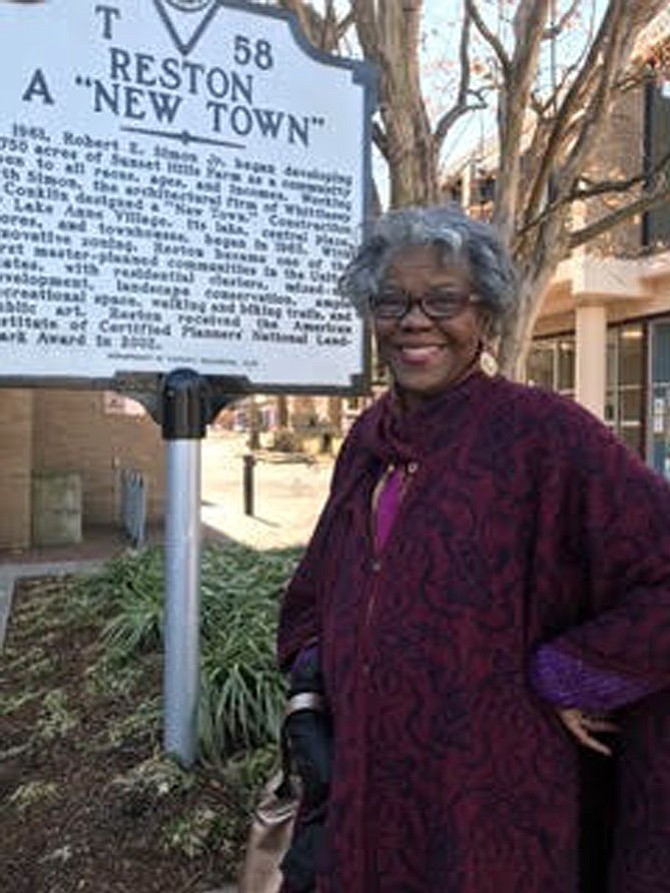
column 551, row 364
column 659, row 398
column 624, row 410
column 540, row 366
column 566, row 365
column 631, row 346
column 631, row 405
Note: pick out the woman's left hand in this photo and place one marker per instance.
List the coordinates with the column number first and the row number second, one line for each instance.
column 584, row 728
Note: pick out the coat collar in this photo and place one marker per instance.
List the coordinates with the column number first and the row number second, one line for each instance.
column 394, row 436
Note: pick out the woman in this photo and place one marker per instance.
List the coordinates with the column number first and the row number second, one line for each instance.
column 487, row 594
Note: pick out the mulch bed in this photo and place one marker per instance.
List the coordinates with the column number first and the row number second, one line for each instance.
column 87, row 802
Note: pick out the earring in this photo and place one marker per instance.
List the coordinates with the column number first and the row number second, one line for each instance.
column 488, row 362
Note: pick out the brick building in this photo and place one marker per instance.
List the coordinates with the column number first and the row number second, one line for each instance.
column 603, row 336
column 604, row 332
column 81, row 441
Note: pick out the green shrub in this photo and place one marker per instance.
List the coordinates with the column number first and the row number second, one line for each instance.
column 129, row 590
column 241, row 693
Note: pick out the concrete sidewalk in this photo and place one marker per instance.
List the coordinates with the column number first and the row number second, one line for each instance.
column 10, row 573
column 288, row 494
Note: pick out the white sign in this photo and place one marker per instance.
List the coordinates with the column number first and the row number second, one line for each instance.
column 181, row 183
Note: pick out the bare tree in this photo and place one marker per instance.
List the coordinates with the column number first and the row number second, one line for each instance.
column 546, row 134
column 534, row 211
column 388, row 33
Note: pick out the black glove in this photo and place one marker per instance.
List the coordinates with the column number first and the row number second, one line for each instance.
column 308, row 730
column 299, row 864
column 310, row 743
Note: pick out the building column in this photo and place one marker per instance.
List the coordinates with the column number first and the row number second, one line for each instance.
column 591, row 357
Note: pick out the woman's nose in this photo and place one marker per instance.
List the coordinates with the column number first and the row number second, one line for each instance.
column 415, row 317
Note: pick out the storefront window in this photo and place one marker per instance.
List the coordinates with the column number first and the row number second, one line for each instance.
column 551, row 364
column 659, row 415
column 541, row 364
column 566, row 365
column 624, row 406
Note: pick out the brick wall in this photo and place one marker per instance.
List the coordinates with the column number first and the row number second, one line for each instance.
column 74, row 431
column 56, row 430
column 16, row 419
column 618, row 156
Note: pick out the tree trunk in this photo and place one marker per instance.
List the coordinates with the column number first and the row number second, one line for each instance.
column 282, row 411
column 254, row 440
column 389, row 34
column 335, row 413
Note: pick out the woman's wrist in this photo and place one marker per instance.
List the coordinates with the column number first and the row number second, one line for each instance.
column 304, row 700
column 568, row 682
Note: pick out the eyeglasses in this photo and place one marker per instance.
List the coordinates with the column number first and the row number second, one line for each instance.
column 443, row 303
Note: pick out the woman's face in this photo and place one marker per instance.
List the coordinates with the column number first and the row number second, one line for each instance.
column 426, row 356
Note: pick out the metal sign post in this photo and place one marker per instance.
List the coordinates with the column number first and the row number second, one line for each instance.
column 185, row 415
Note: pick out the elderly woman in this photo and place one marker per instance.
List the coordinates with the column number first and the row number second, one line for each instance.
column 486, row 593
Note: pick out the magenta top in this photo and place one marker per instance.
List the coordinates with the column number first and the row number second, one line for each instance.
column 388, row 503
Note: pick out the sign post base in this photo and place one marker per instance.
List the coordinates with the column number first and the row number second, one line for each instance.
column 186, row 412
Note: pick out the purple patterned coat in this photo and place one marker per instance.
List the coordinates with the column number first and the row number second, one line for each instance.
column 525, row 522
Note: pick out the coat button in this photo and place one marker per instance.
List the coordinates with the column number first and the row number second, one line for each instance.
column 376, row 566
column 412, row 467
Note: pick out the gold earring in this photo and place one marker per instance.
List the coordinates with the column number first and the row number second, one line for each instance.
column 488, row 362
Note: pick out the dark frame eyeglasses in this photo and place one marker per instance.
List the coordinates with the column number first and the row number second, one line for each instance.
column 439, row 304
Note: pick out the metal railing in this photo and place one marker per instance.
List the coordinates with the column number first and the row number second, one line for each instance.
column 133, row 506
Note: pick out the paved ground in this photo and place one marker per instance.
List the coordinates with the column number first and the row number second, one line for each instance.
column 288, row 494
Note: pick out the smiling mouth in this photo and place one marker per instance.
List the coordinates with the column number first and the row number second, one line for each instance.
column 419, row 355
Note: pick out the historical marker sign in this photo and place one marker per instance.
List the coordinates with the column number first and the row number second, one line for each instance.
column 181, row 182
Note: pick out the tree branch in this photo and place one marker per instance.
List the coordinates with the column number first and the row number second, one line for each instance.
column 461, row 105
column 597, row 108
column 344, row 24
column 556, row 29
column 529, row 21
column 615, row 186
column 644, row 203
column 488, row 35
column 565, row 113
column 367, row 27
column 598, row 78
column 323, row 31
column 601, row 188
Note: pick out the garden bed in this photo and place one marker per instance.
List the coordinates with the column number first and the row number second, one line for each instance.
column 87, row 801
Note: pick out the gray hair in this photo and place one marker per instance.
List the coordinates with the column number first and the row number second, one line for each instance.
column 459, row 239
